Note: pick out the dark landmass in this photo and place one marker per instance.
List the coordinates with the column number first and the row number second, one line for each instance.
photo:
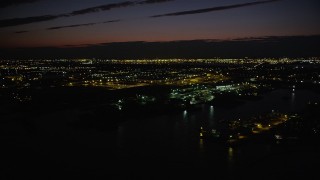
column 49, row 130
column 261, row 47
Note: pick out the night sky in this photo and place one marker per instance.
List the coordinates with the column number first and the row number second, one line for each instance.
column 71, row 24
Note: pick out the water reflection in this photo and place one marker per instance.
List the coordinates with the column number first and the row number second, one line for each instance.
column 201, row 147
column 185, row 113
column 211, row 116
column 293, row 97
column 230, row 156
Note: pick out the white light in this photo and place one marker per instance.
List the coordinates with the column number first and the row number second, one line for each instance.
column 278, row 136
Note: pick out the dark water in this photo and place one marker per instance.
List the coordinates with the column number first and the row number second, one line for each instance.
column 164, row 147
column 172, row 142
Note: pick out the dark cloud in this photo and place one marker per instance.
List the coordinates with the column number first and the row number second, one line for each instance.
column 112, row 21
column 70, row 26
column 107, row 7
column 28, row 20
column 19, row 32
column 153, row 1
column 6, row 3
column 80, row 25
column 219, row 8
